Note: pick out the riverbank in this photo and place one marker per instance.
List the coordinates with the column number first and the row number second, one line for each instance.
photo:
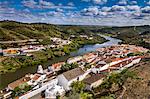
column 11, row 64
column 139, row 35
column 32, row 69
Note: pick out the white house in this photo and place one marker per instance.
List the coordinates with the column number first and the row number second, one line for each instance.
column 74, row 59
column 54, row 91
column 106, row 66
column 44, row 86
column 120, row 64
column 89, row 57
column 68, row 77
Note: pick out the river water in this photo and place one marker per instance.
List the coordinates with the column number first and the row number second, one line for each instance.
column 7, row 78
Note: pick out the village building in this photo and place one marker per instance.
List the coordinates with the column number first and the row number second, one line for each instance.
column 56, row 66
column 11, row 52
column 89, row 57
column 93, row 81
column 18, row 82
column 102, row 62
column 67, row 78
column 54, row 91
column 74, row 59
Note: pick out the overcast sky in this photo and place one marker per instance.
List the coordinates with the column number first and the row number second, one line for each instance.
column 77, row 12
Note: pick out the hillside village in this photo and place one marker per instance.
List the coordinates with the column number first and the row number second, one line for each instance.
column 31, row 45
column 91, row 68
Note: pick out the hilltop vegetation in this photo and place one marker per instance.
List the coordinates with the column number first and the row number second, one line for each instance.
column 10, row 30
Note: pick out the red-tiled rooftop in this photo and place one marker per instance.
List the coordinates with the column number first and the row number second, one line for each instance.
column 117, row 59
column 18, row 82
column 125, row 62
column 36, row 76
column 100, row 65
column 57, row 64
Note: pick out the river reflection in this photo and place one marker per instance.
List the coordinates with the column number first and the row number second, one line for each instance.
column 88, row 48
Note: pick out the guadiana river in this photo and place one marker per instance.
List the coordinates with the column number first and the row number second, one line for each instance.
column 7, row 78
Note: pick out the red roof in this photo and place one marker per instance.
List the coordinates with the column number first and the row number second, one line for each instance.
column 57, row 65
column 100, row 65
column 117, row 59
column 125, row 62
column 36, row 76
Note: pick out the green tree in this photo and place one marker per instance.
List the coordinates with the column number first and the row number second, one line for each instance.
column 78, row 86
column 74, row 65
column 118, row 78
column 85, row 95
column 66, row 49
column 66, row 67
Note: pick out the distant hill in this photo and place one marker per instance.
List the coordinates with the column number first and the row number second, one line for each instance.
column 11, row 30
column 139, row 35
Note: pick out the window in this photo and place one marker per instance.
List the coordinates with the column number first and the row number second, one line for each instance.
column 78, row 79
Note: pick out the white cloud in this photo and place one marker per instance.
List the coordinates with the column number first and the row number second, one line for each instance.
column 133, row 2
column 70, row 4
column 26, row 10
column 105, row 9
column 100, row 1
column 118, row 8
column 115, row 20
column 96, row 1
column 90, row 11
column 122, row 2
column 54, row 13
column 59, row 10
column 7, row 10
column 29, row 3
column 146, row 9
column 102, row 13
column 133, row 8
column 137, row 14
column 148, row 2
column 119, row 15
column 45, row 3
